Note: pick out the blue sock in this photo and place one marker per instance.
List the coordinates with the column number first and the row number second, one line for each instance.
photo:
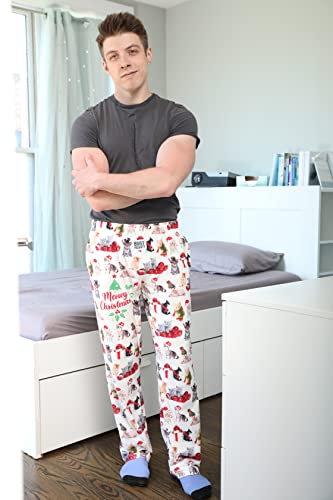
column 137, row 467
column 193, row 483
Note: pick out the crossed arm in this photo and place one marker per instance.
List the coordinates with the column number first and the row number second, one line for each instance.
column 99, row 200
column 105, row 191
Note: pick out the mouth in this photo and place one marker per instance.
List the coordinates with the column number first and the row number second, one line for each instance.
column 129, row 74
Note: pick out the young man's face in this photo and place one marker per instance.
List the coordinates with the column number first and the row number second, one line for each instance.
column 126, row 62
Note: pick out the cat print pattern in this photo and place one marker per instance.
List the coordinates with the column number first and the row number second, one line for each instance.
column 135, row 266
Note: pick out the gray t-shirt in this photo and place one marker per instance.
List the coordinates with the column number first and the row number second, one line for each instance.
column 130, row 136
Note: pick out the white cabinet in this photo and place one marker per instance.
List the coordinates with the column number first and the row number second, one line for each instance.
column 212, row 352
column 277, row 413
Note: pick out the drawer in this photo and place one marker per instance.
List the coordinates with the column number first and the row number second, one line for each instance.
column 149, row 385
column 206, row 324
column 197, row 358
column 76, row 405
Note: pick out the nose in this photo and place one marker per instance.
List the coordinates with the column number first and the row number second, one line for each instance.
column 124, row 61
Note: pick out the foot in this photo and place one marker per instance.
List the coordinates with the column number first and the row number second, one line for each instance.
column 135, row 472
column 196, row 486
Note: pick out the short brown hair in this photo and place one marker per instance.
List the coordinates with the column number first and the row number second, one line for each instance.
column 121, row 22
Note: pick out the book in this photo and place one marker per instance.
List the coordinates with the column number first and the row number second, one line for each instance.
column 298, row 169
column 286, row 178
column 305, row 163
column 293, row 170
column 324, row 168
column 285, row 169
column 273, row 178
column 301, row 164
column 281, row 169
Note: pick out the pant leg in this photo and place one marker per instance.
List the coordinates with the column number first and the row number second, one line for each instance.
column 166, row 293
column 116, row 293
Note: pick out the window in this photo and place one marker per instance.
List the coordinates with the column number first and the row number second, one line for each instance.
column 24, row 110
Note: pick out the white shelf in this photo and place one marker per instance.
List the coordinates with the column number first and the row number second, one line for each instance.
column 297, row 221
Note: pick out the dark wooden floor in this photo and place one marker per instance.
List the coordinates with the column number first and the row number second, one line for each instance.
column 90, row 469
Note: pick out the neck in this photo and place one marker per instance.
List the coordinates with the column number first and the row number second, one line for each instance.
column 135, row 97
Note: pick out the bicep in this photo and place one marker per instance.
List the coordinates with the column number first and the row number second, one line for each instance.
column 176, row 156
column 79, row 155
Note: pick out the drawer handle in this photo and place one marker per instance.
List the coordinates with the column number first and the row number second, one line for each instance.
column 145, row 363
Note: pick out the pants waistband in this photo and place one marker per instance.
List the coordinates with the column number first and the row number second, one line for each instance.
column 124, row 228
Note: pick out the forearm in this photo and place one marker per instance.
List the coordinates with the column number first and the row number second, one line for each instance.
column 102, row 200
column 152, row 182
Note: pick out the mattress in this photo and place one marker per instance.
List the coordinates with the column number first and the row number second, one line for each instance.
column 59, row 303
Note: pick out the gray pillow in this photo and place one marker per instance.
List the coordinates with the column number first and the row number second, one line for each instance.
column 223, row 257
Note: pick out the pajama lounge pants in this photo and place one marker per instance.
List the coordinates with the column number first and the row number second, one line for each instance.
column 147, row 264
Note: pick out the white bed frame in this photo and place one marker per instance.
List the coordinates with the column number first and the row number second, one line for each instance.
column 64, row 390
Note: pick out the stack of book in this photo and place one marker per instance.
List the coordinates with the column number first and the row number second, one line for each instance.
column 302, row 169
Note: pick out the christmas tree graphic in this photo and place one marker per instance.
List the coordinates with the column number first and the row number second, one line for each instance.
column 120, row 229
column 114, row 285
column 162, row 248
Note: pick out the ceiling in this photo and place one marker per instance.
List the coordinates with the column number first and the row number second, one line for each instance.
column 162, row 3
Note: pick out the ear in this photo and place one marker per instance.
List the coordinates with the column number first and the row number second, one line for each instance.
column 105, row 67
column 149, row 55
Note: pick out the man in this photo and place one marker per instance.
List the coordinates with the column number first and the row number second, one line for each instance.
column 130, row 153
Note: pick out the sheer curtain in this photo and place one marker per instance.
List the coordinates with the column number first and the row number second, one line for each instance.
column 70, row 78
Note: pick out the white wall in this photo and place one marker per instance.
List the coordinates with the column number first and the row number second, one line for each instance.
column 154, row 19
column 258, row 74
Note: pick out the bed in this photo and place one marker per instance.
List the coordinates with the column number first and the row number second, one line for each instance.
column 64, row 394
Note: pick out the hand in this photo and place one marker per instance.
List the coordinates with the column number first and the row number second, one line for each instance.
column 86, row 178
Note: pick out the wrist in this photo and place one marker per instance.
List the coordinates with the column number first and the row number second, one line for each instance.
column 100, row 181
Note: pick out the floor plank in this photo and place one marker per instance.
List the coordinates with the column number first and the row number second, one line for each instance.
column 90, row 469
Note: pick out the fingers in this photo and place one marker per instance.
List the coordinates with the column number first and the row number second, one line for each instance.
column 83, row 191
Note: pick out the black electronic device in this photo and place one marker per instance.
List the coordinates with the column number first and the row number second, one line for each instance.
column 213, row 179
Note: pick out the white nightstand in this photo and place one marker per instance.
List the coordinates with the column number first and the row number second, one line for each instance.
column 277, row 415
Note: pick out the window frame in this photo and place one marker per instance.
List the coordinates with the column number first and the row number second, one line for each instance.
column 31, row 76
column 29, row 152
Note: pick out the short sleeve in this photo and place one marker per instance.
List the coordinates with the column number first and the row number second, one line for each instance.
column 182, row 121
column 84, row 132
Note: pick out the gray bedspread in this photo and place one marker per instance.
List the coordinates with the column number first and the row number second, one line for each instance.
column 59, row 303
